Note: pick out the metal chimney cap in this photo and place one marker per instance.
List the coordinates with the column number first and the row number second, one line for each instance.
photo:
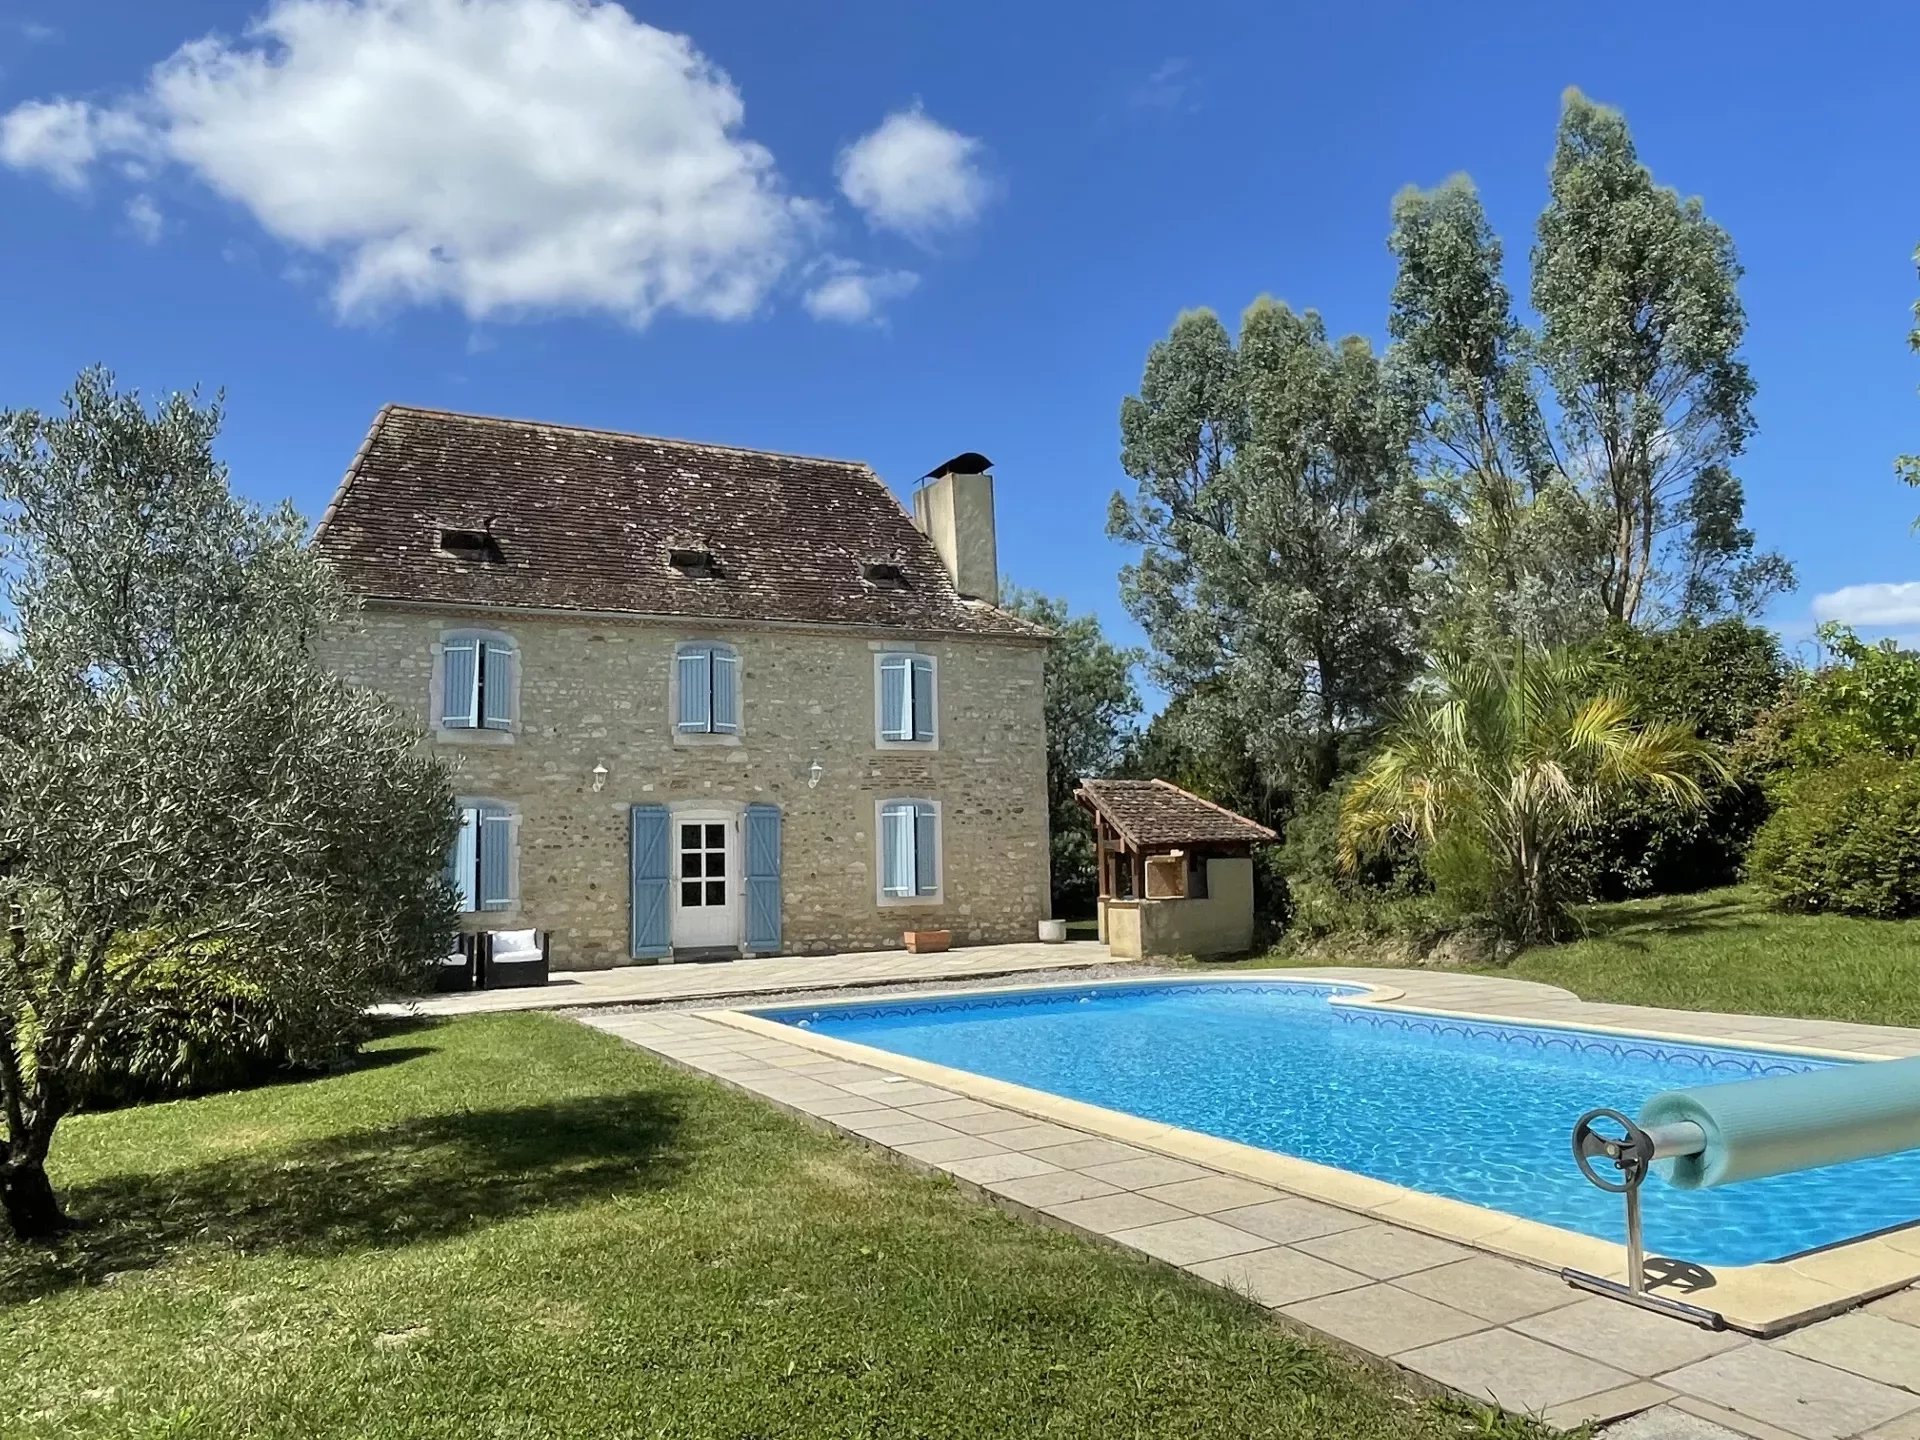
column 968, row 462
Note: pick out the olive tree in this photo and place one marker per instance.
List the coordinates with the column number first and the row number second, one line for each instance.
column 181, row 780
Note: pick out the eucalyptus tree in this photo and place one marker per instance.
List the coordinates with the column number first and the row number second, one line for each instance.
column 1640, row 332
column 182, row 783
column 1511, row 754
column 1279, row 536
column 1526, row 549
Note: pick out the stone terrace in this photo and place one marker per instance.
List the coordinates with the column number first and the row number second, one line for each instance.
column 1444, row 1315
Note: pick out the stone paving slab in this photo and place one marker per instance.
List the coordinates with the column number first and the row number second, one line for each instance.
column 653, row 984
column 1485, row 1327
column 1800, row 1396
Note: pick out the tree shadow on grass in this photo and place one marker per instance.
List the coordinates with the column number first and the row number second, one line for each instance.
column 1677, row 915
column 387, row 1186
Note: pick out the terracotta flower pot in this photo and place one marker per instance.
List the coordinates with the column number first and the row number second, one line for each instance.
column 928, row 942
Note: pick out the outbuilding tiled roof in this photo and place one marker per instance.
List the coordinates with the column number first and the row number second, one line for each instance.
column 1153, row 813
column 586, row 520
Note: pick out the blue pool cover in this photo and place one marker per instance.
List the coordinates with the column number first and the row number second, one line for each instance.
column 1474, row 1111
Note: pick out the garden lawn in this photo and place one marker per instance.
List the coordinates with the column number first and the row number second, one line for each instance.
column 515, row 1226
column 1724, row 950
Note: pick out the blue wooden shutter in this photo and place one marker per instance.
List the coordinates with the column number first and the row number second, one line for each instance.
column 496, row 858
column 763, row 878
column 651, row 934
column 922, row 698
column 726, row 692
column 460, row 684
column 497, row 666
column 896, row 721
column 462, row 858
column 696, row 689
column 896, row 850
column 926, row 850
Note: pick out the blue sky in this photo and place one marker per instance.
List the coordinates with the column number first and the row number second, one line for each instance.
column 895, row 232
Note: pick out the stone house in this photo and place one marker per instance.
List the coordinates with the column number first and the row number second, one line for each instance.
column 702, row 701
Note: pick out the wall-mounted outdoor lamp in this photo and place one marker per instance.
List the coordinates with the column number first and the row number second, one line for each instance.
column 814, row 772
column 599, row 778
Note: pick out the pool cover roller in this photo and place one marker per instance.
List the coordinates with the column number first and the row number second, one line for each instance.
column 1756, row 1128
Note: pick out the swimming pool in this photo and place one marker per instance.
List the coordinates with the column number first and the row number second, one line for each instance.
column 1473, row 1111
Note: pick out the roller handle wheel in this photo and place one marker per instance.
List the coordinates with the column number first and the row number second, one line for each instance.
column 1628, row 1153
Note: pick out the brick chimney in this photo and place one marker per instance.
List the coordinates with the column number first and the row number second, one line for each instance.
column 954, row 509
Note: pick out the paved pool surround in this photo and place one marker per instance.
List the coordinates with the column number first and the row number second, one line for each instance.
column 1449, row 1294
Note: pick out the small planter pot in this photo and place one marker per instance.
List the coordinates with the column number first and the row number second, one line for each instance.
column 1053, row 932
column 928, row 942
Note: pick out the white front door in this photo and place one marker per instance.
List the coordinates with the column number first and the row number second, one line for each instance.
column 705, row 883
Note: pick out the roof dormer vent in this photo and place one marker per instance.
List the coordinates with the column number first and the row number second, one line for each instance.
column 884, row 574
column 465, row 544
column 693, row 561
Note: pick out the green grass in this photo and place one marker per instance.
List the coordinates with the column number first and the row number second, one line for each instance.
column 1723, row 950
column 515, row 1226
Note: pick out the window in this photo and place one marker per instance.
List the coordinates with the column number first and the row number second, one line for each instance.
column 909, row 852
column 481, row 866
column 479, row 682
column 908, row 699
column 707, row 690
column 703, row 864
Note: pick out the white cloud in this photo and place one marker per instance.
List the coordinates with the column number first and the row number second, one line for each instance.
column 1169, row 87
column 63, row 138
column 916, row 176
column 1872, row 607
column 852, row 295
column 507, row 156
column 145, row 218
column 9, row 642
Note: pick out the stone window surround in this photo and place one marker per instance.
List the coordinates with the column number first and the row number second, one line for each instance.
column 512, row 910
column 910, row 902
column 881, row 652
column 694, row 739
column 437, row 690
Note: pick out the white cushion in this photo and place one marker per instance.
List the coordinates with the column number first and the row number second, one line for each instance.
column 516, row 943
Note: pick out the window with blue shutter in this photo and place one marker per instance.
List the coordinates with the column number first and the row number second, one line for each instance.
column 464, row 858
column 460, row 688
column 479, row 683
column 497, row 663
column 908, row 700
column 922, row 692
column 763, row 878
column 910, row 850
column 495, row 888
column 651, row 922
column 707, row 682
column 480, row 866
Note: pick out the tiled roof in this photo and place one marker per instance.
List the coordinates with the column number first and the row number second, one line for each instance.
column 1151, row 813
column 584, row 520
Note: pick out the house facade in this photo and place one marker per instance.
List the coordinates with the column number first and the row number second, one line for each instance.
column 701, row 701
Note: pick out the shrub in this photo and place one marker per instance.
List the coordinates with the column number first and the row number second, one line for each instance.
column 191, row 1027
column 1390, row 893
column 1846, row 840
column 1722, row 680
column 1865, row 701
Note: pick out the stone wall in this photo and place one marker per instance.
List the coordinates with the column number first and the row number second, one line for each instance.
column 596, row 692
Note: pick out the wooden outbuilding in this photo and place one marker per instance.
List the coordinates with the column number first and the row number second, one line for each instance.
column 1176, row 871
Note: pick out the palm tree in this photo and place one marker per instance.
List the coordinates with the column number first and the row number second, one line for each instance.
column 1513, row 754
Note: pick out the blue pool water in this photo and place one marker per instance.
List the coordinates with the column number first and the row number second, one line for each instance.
column 1477, row 1112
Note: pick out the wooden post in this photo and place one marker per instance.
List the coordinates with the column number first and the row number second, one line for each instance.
column 1139, row 874
column 1100, row 855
